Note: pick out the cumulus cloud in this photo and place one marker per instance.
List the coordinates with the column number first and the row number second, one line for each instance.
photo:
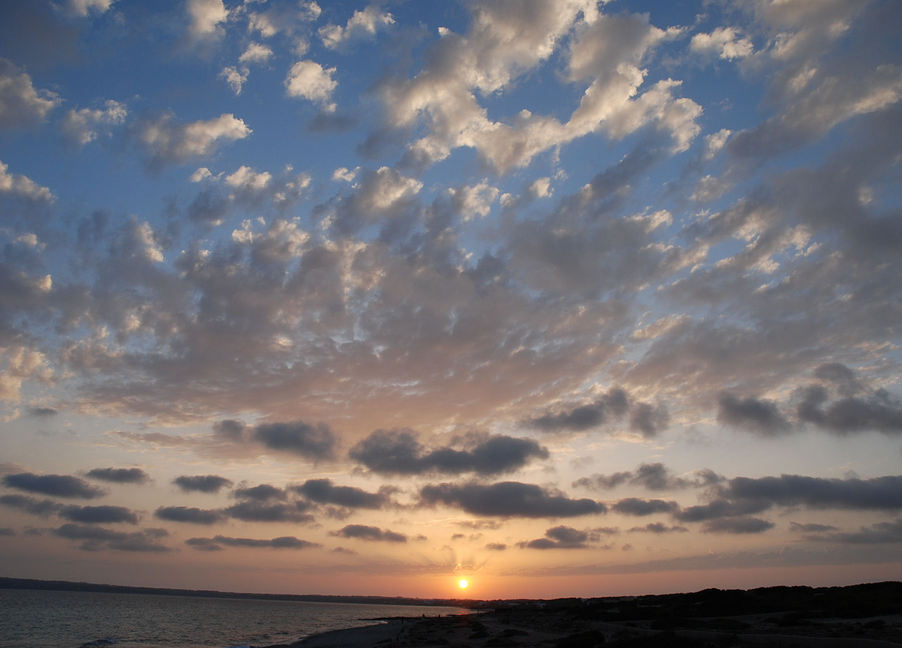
column 323, row 491
column 605, row 52
column 640, row 507
column 21, row 104
column 216, row 543
column 119, row 475
column 87, row 124
column 201, row 483
column 371, row 533
column 725, row 42
column 98, row 514
column 310, row 80
column 878, row 533
column 236, row 77
column 298, row 438
column 21, row 186
column 878, row 411
column 654, row 476
column 100, row 539
column 644, row 418
column 614, row 403
column 263, row 511
column 878, row 493
column 559, row 537
column 737, row 525
column 188, row 514
column 760, row 416
column 399, row 452
column 255, row 53
column 205, row 18
column 362, row 24
column 167, row 141
column 54, row 485
column 508, row 499
column 659, row 528
column 261, row 493
column 84, row 7
column 31, row 505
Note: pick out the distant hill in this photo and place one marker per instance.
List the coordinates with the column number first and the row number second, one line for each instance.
column 70, row 586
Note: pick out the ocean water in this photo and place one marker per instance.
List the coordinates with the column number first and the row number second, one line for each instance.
column 48, row 619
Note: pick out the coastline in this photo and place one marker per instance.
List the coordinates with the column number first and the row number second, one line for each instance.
column 863, row 616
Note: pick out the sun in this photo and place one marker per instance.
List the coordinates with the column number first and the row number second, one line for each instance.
column 463, row 583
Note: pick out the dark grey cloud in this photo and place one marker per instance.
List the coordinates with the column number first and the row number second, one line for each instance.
column 54, row 485
column 614, row 403
column 203, row 544
column 839, row 375
column 297, row 437
column 658, row 528
column 737, row 525
column 879, row 493
column 98, row 514
column 31, row 505
column 640, row 507
column 879, row 533
column 496, row 546
column 201, row 483
column 761, row 416
column 98, row 539
column 603, row 482
column 559, row 537
column 654, row 477
column 323, row 491
column 364, row 532
column 648, row 419
column 6, row 531
column 216, row 543
column 811, row 527
column 255, row 511
column 261, row 493
column 188, row 514
column 878, row 411
column 42, row 412
column 480, row 525
column 721, row 508
column 508, row 499
column 120, row 475
column 399, row 452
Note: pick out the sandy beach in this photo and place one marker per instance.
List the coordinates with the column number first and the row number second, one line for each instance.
column 868, row 616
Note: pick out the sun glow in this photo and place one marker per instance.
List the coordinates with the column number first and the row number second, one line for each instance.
column 463, row 583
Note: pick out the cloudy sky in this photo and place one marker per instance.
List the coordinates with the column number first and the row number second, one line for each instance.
column 566, row 297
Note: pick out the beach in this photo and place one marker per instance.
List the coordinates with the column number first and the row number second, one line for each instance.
column 862, row 616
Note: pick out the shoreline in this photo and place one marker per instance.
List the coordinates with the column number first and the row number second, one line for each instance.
column 864, row 616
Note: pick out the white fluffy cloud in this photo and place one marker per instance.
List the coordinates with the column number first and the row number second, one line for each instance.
column 606, row 51
column 21, row 104
column 235, row 77
column 87, row 124
column 205, row 17
column 363, row 24
column 725, row 42
column 22, row 186
column 310, row 80
column 255, row 53
column 167, row 141
column 83, row 7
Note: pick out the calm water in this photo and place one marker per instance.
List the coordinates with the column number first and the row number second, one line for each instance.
column 45, row 619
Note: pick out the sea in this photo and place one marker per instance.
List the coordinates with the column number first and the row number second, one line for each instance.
column 51, row 619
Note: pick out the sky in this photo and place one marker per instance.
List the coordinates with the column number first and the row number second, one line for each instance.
column 562, row 297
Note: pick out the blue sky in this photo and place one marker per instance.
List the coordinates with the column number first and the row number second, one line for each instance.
column 565, row 297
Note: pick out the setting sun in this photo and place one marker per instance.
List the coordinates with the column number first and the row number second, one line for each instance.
column 463, row 583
